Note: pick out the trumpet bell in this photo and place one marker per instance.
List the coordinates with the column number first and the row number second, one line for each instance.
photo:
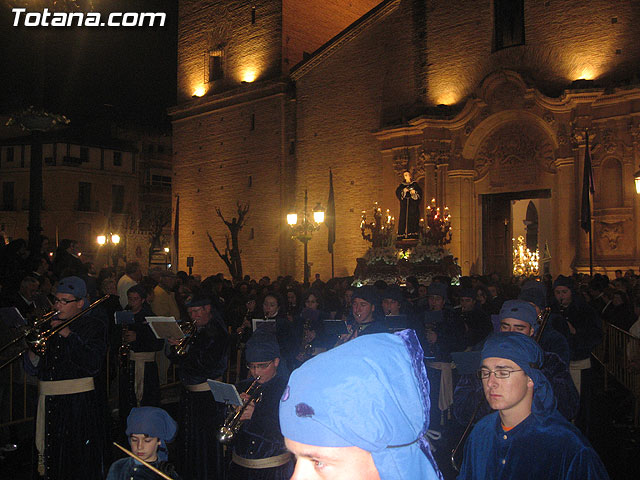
column 225, row 435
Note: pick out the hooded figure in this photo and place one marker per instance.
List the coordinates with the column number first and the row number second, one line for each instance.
column 371, row 393
column 526, row 438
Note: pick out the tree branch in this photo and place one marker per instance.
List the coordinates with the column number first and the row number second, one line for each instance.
column 225, row 257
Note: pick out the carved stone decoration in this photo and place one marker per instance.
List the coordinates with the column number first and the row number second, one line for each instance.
column 608, row 140
column 514, row 153
column 468, row 129
column 549, row 118
column 611, row 233
column 506, row 95
column 563, row 137
column 634, row 130
column 402, row 161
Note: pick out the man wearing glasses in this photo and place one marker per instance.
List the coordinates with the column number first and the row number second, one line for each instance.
column 200, row 454
column 259, row 450
column 69, row 432
column 526, row 438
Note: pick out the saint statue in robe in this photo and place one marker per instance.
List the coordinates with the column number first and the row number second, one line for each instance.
column 410, row 195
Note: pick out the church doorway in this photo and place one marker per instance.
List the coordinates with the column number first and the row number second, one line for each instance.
column 510, row 218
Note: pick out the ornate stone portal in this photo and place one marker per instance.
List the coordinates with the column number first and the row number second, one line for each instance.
column 510, row 139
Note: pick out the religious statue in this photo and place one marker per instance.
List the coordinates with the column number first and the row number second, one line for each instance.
column 409, row 193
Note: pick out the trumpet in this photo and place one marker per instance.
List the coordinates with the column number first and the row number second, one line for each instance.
column 37, row 338
column 232, row 423
column 189, row 329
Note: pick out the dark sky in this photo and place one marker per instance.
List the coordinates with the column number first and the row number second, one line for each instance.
column 77, row 70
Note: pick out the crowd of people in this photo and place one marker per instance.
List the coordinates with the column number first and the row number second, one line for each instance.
column 336, row 350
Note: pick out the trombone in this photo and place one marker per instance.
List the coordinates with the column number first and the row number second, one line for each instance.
column 37, row 338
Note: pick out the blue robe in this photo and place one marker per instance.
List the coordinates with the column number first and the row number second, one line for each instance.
column 129, row 469
column 538, row 447
column 260, row 436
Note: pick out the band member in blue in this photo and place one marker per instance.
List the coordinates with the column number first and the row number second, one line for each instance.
column 259, row 452
column 526, row 437
column 69, row 431
column 200, row 454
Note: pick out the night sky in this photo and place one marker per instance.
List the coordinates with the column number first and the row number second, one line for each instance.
column 128, row 74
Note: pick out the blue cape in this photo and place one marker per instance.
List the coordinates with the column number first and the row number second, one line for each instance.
column 372, row 393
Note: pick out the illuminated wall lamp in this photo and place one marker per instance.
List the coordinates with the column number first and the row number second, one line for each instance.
column 636, row 178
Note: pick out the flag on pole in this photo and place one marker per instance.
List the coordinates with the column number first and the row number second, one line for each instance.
column 331, row 215
column 587, row 189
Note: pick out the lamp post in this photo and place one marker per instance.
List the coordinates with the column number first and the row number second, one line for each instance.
column 303, row 231
column 111, row 241
column 166, row 258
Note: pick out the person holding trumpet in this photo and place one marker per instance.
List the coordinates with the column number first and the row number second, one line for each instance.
column 67, row 426
column 259, row 452
column 200, row 356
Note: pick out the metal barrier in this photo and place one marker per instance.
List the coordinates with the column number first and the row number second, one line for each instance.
column 619, row 354
column 18, row 397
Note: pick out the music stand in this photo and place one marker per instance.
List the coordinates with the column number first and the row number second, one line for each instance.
column 225, row 393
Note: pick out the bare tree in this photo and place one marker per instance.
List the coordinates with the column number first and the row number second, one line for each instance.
column 231, row 255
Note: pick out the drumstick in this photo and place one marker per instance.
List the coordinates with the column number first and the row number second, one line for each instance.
column 148, row 465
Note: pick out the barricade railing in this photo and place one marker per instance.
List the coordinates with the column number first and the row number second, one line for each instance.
column 18, row 391
column 619, row 354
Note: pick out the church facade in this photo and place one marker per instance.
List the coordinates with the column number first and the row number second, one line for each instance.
column 488, row 103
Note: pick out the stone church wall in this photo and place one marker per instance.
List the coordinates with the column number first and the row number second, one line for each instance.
column 339, row 105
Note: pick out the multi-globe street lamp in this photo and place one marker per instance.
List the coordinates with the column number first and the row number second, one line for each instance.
column 303, row 230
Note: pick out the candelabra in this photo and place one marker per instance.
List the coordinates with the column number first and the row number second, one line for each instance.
column 436, row 226
column 380, row 228
column 525, row 262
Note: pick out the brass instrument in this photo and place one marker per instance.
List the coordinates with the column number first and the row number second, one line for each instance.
column 189, row 329
column 26, row 331
column 232, row 423
column 38, row 338
column 542, row 320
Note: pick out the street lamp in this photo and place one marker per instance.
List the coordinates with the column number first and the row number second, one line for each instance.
column 112, row 240
column 303, row 231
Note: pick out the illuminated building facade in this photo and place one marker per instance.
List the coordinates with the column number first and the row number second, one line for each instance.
column 487, row 102
column 103, row 183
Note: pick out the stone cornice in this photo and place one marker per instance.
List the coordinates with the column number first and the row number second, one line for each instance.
column 229, row 98
column 352, row 31
column 461, row 173
column 563, row 162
